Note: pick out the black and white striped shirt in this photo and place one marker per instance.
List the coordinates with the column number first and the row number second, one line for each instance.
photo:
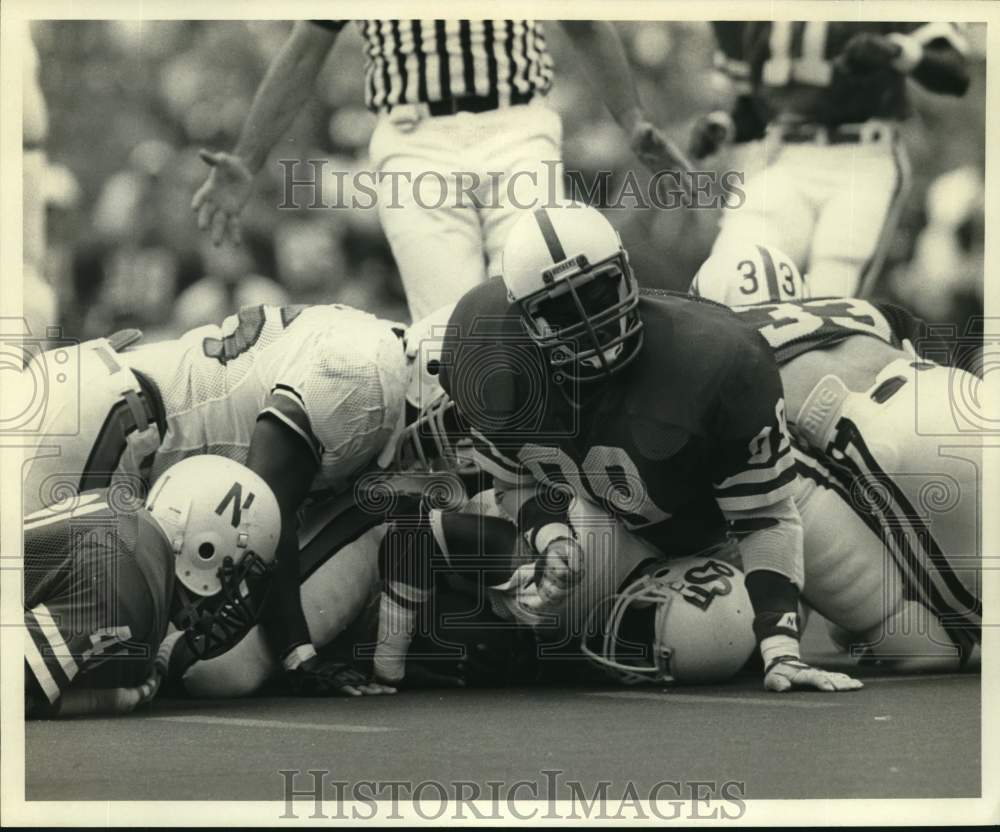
column 418, row 61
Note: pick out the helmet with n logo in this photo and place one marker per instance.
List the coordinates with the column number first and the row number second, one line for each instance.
column 211, row 508
column 742, row 274
column 223, row 524
column 567, row 271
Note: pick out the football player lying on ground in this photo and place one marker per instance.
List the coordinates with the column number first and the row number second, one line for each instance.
column 629, row 611
column 117, row 591
column 664, row 410
column 889, row 466
column 306, row 397
column 338, row 559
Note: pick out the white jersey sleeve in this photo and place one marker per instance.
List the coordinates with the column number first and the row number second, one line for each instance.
column 342, row 390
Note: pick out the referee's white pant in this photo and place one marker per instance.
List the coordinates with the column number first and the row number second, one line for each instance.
column 445, row 234
column 833, row 208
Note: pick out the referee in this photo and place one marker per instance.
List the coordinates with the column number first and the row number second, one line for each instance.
column 462, row 98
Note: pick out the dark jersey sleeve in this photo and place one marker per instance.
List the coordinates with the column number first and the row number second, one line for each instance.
column 97, row 602
column 495, row 376
column 752, row 461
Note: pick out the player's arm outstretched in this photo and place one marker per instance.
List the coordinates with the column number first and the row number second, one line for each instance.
column 754, row 487
column 279, row 99
column 603, row 56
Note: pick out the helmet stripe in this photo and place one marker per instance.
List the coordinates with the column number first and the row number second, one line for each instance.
column 770, row 274
column 555, row 248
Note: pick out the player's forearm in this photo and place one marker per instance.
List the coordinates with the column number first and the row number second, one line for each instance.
column 286, row 625
column 771, row 549
column 603, row 57
column 283, row 92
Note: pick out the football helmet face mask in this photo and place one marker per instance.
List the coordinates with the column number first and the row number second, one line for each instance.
column 702, row 625
column 223, row 523
column 566, row 270
column 744, row 274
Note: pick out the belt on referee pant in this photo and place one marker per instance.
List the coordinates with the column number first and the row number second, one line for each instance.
column 868, row 132
column 461, row 104
column 136, row 410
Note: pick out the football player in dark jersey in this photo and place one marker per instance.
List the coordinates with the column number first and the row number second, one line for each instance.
column 832, row 93
column 664, row 411
column 889, row 455
column 117, row 593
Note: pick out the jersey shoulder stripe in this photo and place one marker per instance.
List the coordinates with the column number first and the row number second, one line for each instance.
column 286, row 405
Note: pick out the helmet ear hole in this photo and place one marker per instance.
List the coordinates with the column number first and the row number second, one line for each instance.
column 206, row 551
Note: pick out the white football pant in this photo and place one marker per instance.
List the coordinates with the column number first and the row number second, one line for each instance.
column 832, row 208
column 445, row 235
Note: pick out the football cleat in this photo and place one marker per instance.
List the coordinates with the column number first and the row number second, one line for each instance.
column 688, row 621
column 566, row 270
column 743, row 274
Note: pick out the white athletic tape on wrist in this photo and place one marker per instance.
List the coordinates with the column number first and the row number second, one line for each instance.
column 396, row 627
column 298, row 655
column 551, row 532
column 774, row 646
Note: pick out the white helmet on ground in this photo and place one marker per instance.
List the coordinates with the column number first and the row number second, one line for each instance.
column 223, row 524
column 698, row 613
column 567, row 271
column 743, row 274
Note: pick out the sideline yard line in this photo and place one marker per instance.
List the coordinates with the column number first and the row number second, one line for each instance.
column 779, row 699
column 239, row 722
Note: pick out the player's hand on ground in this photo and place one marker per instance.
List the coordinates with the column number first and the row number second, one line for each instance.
column 710, row 132
column 790, row 673
column 867, row 52
column 220, row 200
column 324, row 677
column 559, row 570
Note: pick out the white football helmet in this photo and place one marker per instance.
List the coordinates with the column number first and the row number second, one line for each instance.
column 567, row 271
column 743, row 274
column 424, row 442
column 223, row 523
column 701, row 618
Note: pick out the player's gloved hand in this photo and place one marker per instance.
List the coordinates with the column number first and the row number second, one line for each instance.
column 867, row 52
column 323, row 677
column 559, row 570
column 710, row 132
column 789, row 672
column 220, row 200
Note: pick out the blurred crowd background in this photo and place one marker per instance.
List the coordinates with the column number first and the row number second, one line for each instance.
column 130, row 103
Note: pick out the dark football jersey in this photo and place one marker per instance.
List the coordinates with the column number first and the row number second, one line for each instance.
column 692, row 428
column 98, row 583
column 796, row 327
column 783, row 61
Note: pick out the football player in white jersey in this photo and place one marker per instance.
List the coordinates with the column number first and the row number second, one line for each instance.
column 889, row 457
column 306, row 397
